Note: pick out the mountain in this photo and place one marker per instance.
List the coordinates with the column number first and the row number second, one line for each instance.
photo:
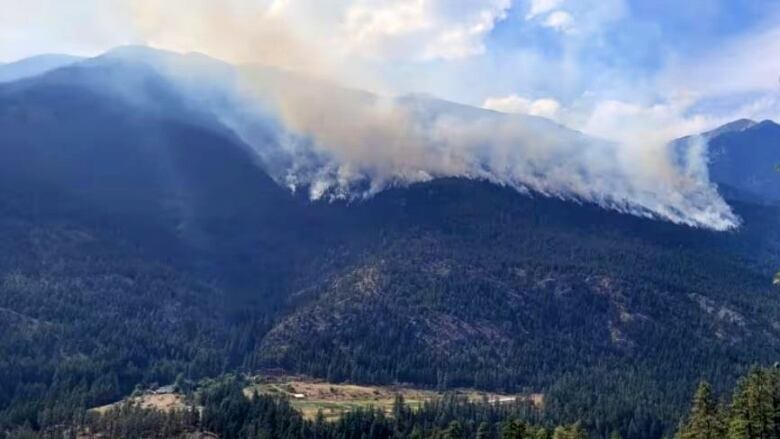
column 34, row 66
column 746, row 158
column 336, row 143
column 736, row 126
column 145, row 238
column 742, row 158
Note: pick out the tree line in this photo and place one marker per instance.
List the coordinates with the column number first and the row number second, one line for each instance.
column 225, row 410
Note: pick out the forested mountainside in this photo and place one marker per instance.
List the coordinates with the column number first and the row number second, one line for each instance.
column 144, row 240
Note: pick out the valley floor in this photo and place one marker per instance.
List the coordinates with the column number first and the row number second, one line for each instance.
column 309, row 396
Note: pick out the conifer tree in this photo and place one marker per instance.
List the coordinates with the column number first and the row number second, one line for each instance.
column 560, row 432
column 738, row 426
column 541, row 433
column 483, row 431
column 454, row 431
column 704, row 421
column 512, row 429
column 576, row 431
column 754, row 407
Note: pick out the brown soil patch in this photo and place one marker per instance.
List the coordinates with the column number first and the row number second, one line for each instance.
column 165, row 402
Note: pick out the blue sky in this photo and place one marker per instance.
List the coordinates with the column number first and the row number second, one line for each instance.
column 613, row 68
column 625, row 41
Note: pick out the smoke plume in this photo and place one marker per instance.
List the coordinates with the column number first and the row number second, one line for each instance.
column 341, row 143
column 335, row 142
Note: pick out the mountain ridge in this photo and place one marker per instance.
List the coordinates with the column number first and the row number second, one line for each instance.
column 297, row 128
column 746, row 159
column 34, row 66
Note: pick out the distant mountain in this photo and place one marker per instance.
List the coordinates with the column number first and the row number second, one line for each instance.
column 745, row 156
column 732, row 127
column 34, row 66
column 742, row 157
column 110, row 139
column 144, row 238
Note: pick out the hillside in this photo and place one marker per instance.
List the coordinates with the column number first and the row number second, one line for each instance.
column 143, row 239
column 34, row 66
column 746, row 159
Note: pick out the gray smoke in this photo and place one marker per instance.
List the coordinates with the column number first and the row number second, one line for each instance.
column 339, row 143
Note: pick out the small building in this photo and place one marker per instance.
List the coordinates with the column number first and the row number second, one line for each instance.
column 164, row 390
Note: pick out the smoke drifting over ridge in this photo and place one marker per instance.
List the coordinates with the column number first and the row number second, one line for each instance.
column 341, row 143
column 345, row 144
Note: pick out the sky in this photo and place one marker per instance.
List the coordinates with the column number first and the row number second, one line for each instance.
column 612, row 68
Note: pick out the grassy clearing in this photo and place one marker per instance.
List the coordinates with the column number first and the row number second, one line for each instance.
column 165, row 402
column 309, row 396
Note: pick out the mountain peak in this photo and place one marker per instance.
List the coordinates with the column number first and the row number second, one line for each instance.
column 767, row 123
column 745, row 158
column 735, row 126
column 136, row 51
column 740, row 125
column 147, row 53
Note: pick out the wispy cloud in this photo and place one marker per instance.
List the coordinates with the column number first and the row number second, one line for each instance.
column 421, row 29
column 561, row 21
column 539, row 7
column 544, row 107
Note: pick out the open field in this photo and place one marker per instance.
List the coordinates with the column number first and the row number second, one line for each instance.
column 309, row 396
column 164, row 402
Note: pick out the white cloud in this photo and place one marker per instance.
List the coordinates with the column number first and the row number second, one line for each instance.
column 693, row 94
column 746, row 64
column 633, row 123
column 513, row 103
column 354, row 42
column 561, row 21
column 288, row 33
column 539, row 7
column 627, row 121
column 581, row 18
column 421, row 29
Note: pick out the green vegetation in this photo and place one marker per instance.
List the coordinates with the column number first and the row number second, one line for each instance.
column 313, row 397
column 333, row 400
column 752, row 413
column 223, row 408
